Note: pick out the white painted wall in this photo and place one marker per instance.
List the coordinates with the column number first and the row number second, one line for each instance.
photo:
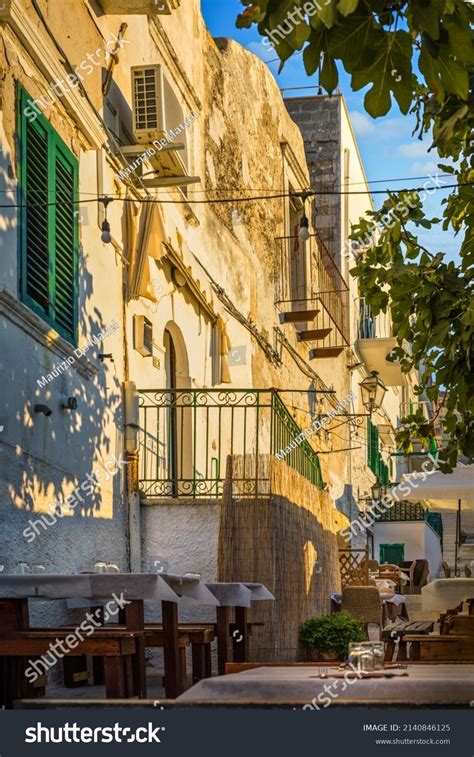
column 420, row 541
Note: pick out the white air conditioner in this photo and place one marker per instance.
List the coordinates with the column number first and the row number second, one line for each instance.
column 156, row 113
column 138, row 7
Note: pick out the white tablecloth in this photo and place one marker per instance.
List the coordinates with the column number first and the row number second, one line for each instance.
column 44, row 586
column 239, row 594
column 446, row 593
column 149, row 586
column 190, row 588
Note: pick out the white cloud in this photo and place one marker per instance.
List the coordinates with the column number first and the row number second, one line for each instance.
column 362, row 124
column 423, row 168
column 415, row 149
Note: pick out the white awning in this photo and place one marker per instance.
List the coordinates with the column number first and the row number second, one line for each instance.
column 440, row 490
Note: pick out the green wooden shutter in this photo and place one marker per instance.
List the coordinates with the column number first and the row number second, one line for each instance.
column 64, row 289
column 37, row 271
column 48, row 171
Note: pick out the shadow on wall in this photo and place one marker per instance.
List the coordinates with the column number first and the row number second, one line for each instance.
column 273, row 540
column 44, row 459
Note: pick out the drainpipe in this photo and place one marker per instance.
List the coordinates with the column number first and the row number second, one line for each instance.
column 133, row 494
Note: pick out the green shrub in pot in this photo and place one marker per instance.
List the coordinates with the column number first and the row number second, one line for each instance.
column 328, row 637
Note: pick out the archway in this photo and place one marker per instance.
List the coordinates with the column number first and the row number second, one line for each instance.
column 179, row 452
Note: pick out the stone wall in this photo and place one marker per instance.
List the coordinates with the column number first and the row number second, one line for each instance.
column 319, row 119
column 288, row 541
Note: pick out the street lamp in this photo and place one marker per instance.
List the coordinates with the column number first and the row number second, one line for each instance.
column 373, row 391
column 377, row 491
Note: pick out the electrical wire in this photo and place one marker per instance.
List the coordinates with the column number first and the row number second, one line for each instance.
column 222, row 200
column 233, row 189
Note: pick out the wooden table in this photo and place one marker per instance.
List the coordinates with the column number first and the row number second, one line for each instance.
column 121, row 676
column 235, row 597
column 425, row 685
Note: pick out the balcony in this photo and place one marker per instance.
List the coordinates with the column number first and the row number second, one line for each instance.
column 311, row 293
column 374, row 342
column 138, row 7
column 403, row 512
column 186, row 436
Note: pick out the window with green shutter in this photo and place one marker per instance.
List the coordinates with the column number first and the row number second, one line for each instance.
column 48, row 180
column 374, row 457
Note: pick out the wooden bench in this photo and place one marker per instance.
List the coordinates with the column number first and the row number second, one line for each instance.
column 398, row 632
column 461, row 625
column 117, row 648
column 198, row 636
column 441, row 648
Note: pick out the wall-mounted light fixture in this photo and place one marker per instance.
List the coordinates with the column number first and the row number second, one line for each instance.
column 69, row 404
column 373, row 391
column 43, row 410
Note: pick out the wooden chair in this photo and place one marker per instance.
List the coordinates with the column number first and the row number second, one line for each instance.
column 446, row 569
column 398, row 632
column 364, row 603
column 373, row 565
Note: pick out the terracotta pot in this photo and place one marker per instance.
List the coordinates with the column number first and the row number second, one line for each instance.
column 314, row 655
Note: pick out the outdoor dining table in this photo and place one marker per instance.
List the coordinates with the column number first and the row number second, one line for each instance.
column 446, row 594
column 238, row 595
column 299, row 686
column 134, row 588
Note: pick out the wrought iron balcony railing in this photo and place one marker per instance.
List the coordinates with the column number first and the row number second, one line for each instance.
column 311, row 289
column 187, row 434
column 370, row 326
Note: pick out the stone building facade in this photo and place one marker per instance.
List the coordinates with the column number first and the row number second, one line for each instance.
column 178, row 302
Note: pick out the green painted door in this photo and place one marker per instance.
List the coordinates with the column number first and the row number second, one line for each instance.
column 392, row 553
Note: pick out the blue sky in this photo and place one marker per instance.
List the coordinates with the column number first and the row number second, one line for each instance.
column 386, row 144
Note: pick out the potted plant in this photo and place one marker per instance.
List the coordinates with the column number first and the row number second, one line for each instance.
column 327, row 638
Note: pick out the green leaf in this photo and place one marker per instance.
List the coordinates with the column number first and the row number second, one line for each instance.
column 460, row 42
column 389, row 72
column 426, row 18
column 328, row 13
column 312, row 52
column 347, row 6
column 355, row 42
column 329, row 76
column 299, row 35
column 454, row 78
column 429, row 67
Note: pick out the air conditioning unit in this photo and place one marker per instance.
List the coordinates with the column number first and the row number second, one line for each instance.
column 138, row 7
column 156, row 113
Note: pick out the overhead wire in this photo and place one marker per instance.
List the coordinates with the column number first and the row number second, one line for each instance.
column 222, row 200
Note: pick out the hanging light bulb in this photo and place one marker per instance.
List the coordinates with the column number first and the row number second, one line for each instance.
column 106, row 236
column 304, row 229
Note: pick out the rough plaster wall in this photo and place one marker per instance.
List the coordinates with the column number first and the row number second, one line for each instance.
column 288, row 541
column 185, row 535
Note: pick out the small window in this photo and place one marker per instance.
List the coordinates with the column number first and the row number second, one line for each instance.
column 48, row 172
